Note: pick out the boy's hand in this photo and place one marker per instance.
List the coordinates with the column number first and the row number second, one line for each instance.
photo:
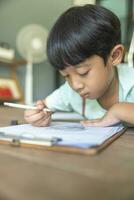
column 108, row 119
column 38, row 117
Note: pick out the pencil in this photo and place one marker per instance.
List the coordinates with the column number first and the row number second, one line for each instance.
column 83, row 107
column 15, row 105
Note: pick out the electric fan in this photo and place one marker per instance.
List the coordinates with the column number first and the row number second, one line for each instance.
column 31, row 44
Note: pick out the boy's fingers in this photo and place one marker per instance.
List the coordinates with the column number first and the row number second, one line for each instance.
column 35, row 117
column 46, row 122
column 40, row 104
column 89, row 121
column 99, row 122
column 31, row 112
column 95, row 122
column 42, row 122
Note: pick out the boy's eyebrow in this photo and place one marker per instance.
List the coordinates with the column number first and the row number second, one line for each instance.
column 83, row 65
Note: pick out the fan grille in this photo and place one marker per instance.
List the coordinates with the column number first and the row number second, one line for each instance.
column 31, row 43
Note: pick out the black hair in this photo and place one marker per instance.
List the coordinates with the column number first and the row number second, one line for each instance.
column 80, row 32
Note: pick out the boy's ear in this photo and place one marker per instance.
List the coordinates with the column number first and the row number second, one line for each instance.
column 116, row 54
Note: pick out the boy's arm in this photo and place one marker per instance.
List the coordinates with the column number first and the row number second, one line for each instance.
column 118, row 112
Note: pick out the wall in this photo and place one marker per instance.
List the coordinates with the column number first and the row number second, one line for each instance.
column 120, row 9
column 14, row 14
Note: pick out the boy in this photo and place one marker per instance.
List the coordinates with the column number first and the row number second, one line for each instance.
column 84, row 45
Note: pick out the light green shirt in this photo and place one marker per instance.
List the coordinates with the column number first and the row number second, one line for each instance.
column 66, row 99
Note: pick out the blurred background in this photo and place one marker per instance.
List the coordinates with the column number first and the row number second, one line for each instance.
column 25, row 21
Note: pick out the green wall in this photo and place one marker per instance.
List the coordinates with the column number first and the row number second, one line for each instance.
column 120, row 9
column 14, row 14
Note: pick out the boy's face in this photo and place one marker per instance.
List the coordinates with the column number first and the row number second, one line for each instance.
column 91, row 78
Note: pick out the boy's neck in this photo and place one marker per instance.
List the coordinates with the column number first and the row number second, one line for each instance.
column 111, row 96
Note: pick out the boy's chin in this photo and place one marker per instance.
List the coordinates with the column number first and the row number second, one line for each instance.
column 92, row 97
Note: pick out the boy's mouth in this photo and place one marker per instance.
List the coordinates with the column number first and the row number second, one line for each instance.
column 84, row 95
column 87, row 96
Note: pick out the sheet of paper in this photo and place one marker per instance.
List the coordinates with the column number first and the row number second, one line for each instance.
column 72, row 134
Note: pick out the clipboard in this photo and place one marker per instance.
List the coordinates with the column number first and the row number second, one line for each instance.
column 64, row 149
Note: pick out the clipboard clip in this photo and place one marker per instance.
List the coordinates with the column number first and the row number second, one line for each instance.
column 15, row 142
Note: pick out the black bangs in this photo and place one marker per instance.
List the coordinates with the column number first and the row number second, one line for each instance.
column 81, row 32
column 67, row 42
column 66, row 51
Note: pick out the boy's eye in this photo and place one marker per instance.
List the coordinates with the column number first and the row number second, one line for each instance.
column 84, row 74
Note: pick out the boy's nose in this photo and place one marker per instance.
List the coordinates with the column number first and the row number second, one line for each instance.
column 77, row 85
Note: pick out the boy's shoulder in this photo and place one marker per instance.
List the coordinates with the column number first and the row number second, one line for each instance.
column 125, row 68
column 126, row 76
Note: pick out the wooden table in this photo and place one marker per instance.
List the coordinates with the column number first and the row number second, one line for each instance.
column 42, row 175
